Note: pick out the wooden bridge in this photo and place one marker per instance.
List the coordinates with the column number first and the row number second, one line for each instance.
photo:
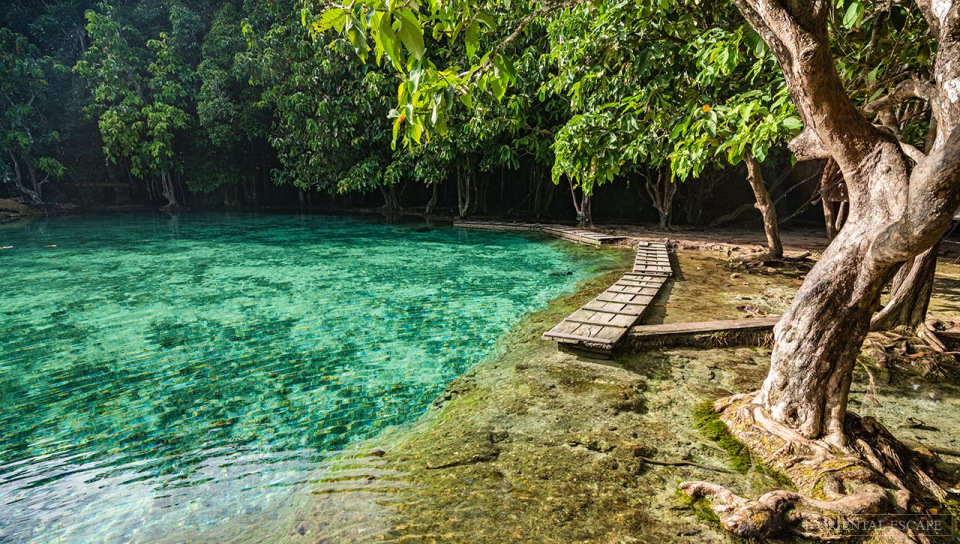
column 601, row 324
column 582, row 236
column 609, row 320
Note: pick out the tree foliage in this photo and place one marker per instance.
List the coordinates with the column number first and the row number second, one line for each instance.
column 27, row 153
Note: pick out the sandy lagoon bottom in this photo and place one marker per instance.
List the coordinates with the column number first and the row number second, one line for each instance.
column 187, row 378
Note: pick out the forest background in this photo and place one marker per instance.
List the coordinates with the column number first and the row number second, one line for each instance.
column 597, row 112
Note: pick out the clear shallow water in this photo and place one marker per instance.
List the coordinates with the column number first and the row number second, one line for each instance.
column 161, row 374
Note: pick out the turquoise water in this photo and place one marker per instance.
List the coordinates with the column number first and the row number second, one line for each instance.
column 161, row 373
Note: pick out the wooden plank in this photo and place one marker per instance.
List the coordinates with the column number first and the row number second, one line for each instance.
column 595, row 323
column 604, row 317
column 632, row 283
column 648, row 293
column 628, row 302
column 580, row 338
column 597, row 331
column 642, row 291
column 722, row 333
column 645, row 274
column 630, row 290
column 704, row 327
column 582, row 330
column 590, row 308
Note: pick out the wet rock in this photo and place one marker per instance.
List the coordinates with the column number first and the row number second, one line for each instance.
column 13, row 208
column 606, row 463
column 467, row 447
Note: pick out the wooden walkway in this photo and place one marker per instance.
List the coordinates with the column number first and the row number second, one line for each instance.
column 582, row 236
column 721, row 333
column 598, row 326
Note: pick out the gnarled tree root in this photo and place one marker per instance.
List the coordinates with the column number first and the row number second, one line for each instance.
column 864, row 489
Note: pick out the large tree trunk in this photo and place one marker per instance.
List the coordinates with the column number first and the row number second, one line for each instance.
column 766, row 206
column 897, row 211
column 818, row 338
column 909, row 293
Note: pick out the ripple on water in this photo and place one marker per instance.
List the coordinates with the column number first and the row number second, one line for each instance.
column 165, row 376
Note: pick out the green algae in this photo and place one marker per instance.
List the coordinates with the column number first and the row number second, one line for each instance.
column 707, row 421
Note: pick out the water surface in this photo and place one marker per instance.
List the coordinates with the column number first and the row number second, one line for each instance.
column 161, row 374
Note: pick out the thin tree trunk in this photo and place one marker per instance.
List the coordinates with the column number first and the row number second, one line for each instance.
column 391, row 200
column 463, row 192
column 831, row 184
column 581, row 205
column 829, row 219
column 432, row 203
column 543, row 197
column 910, row 293
column 480, row 189
column 766, row 206
column 587, row 207
column 661, row 191
column 169, row 193
column 534, row 186
column 18, row 181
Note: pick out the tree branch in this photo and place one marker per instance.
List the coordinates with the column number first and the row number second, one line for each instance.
column 912, row 152
column 911, row 88
column 797, row 33
column 931, row 202
column 544, row 10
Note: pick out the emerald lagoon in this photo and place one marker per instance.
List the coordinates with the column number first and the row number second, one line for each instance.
column 163, row 374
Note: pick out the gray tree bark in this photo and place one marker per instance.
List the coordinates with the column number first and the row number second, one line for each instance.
column 661, row 190
column 766, row 206
column 432, row 203
column 896, row 211
column 169, row 192
column 582, row 206
column 910, row 293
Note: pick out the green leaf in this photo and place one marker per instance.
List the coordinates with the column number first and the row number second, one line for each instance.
column 792, row 123
column 334, row 18
column 485, row 18
column 852, row 16
column 411, row 34
column 471, row 40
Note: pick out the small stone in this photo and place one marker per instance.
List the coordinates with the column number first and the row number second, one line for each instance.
column 606, row 463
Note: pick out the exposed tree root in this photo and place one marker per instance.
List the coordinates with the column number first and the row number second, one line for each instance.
column 866, row 489
column 930, row 351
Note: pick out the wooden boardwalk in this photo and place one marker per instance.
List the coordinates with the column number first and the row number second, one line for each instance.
column 602, row 323
column 720, row 333
column 582, row 236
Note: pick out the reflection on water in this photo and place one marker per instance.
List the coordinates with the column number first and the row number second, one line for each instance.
column 174, row 380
